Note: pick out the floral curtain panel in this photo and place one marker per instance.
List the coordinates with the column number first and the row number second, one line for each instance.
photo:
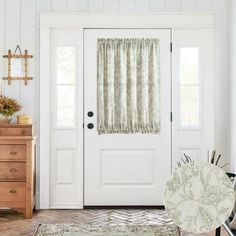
column 128, row 86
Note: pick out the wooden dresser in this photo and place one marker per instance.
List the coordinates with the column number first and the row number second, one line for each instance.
column 17, row 168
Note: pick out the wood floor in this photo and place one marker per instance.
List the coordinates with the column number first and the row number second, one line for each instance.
column 13, row 224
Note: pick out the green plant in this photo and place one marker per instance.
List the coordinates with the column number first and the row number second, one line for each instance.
column 9, row 106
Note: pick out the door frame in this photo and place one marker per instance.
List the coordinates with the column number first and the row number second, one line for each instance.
column 83, row 21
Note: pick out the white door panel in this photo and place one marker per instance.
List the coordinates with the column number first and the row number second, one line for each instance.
column 125, row 169
column 193, row 93
column 66, row 149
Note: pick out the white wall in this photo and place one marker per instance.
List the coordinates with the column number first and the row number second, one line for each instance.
column 222, row 80
column 233, row 79
column 19, row 21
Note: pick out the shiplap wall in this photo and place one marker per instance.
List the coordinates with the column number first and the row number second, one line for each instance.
column 19, row 21
column 233, row 79
column 19, row 24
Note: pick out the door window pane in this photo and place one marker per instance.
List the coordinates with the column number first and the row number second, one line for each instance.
column 189, row 87
column 189, row 71
column 189, row 106
column 66, row 65
column 65, row 85
column 65, row 106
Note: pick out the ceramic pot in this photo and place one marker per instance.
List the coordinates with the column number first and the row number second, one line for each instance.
column 5, row 119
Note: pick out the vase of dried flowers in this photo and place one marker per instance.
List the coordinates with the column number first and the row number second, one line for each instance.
column 8, row 107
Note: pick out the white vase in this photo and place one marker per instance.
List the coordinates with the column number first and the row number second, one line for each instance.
column 5, row 119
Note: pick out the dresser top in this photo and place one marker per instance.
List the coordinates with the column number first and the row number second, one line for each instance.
column 15, row 125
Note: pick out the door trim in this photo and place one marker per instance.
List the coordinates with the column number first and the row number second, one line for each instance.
column 80, row 22
column 139, row 20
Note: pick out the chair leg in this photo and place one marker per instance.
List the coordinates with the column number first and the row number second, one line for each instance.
column 218, row 231
column 228, row 230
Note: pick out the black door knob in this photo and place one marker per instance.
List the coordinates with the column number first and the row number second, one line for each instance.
column 90, row 126
column 90, row 114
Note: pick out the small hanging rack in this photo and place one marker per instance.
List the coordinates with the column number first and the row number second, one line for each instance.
column 24, row 56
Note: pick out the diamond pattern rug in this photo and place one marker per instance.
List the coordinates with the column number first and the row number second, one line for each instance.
column 114, row 223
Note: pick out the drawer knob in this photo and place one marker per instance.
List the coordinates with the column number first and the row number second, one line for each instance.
column 12, row 191
column 13, row 153
column 13, row 170
column 23, row 132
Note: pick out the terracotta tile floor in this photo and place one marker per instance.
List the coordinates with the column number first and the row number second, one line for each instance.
column 13, row 224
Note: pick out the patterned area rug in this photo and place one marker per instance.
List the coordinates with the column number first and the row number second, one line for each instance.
column 116, row 223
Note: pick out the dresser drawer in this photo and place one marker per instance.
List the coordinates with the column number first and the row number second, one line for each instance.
column 12, row 152
column 12, row 171
column 13, row 194
column 17, row 131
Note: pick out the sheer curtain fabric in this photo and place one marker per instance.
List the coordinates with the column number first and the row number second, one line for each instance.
column 128, row 86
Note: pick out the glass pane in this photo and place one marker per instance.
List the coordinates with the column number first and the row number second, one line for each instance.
column 65, row 106
column 190, row 106
column 189, row 66
column 66, row 65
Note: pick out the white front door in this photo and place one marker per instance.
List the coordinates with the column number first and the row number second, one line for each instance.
column 125, row 169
